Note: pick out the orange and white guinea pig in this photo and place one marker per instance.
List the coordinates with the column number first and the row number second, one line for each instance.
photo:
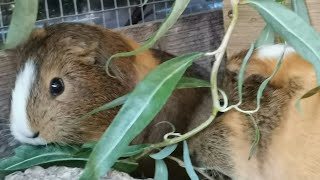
column 62, row 76
column 289, row 147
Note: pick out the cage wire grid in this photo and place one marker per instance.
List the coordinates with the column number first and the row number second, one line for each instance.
column 109, row 13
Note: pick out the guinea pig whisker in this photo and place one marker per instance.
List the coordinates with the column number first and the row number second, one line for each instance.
column 4, row 130
column 12, row 140
column 69, row 145
column 7, row 135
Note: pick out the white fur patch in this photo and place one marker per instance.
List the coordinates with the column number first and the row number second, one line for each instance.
column 273, row 51
column 20, row 127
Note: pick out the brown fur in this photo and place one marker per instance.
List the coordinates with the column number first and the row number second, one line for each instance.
column 77, row 53
column 289, row 147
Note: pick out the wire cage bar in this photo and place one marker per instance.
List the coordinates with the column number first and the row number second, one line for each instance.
column 109, row 13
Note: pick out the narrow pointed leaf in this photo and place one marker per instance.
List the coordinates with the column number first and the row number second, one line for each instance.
column 134, row 150
column 188, row 82
column 22, row 23
column 265, row 83
column 141, row 107
column 256, row 139
column 266, row 37
column 187, row 162
column 178, row 7
column 161, row 170
column 185, row 82
column 296, row 31
column 300, row 7
column 27, row 156
column 165, row 152
column 117, row 102
column 242, row 71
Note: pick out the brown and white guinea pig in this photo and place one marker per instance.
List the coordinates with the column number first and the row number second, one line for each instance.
column 62, row 76
column 289, row 147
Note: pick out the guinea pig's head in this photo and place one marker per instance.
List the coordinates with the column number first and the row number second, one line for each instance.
column 61, row 76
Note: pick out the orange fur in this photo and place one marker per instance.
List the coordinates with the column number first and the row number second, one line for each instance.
column 288, row 150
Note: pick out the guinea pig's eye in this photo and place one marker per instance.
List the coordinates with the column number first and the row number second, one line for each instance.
column 56, row 86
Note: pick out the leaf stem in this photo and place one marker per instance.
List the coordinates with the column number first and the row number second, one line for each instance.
column 176, row 140
column 219, row 54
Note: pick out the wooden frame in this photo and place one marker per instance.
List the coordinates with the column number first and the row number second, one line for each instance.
column 250, row 24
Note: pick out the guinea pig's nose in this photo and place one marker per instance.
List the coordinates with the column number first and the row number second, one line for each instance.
column 35, row 135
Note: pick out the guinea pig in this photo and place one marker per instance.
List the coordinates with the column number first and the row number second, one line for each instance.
column 61, row 76
column 289, row 146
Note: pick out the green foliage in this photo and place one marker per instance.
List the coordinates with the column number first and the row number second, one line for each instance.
column 23, row 19
column 164, row 152
column 27, row 156
column 188, row 164
column 117, row 102
column 296, row 31
column 178, row 7
column 266, row 37
column 147, row 99
column 188, row 82
column 161, row 170
column 138, row 111
column 300, row 7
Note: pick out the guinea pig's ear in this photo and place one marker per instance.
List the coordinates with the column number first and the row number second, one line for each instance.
column 37, row 34
column 87, row 53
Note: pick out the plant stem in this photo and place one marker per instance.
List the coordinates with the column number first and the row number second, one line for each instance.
column 176, row 140
column 219, row 53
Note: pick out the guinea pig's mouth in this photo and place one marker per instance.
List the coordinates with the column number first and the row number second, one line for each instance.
column 27, row 137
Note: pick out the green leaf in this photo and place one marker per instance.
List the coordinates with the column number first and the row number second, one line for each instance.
column 27, row 156
column 178, row 7
column 125, row 166
column 188, row 82
column 300, row 7
column 161, row 170
column 134, row 150
column 185, row 82
column 266, row 37
column 23, row 20
column 117, row 102
column 187, row 162
column 142, row 106
column 265, row 83
column 256, row 139
column 165, row 152
column 307, row 95
column 130, row 150
column 297, row 32
column 242, row 72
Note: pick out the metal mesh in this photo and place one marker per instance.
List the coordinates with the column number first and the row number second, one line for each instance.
column 109, row 13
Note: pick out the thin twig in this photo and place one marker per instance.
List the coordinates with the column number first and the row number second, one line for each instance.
column 219, row 53
column 219, row 57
